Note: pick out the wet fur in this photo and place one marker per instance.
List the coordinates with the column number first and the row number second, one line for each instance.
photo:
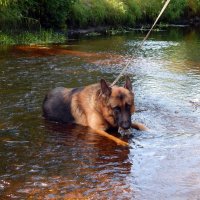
column 84, row 106
column 91, row 106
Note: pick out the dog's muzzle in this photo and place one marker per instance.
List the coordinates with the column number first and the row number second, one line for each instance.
column 125, row 125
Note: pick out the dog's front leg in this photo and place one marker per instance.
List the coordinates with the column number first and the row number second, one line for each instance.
column 139, row 126
column 111, row 137
column 98, row 125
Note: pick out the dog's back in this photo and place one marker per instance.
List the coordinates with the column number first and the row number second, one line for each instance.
column 57, row 104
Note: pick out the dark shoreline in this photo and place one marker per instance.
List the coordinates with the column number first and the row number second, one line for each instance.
column 109, row 30
column 30, row 37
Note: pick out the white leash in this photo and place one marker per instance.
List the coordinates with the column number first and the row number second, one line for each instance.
column 145, row 38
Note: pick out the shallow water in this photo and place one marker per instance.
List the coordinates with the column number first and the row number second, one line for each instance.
column 43, row 160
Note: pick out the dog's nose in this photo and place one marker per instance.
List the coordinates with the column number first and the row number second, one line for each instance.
column 125, row 125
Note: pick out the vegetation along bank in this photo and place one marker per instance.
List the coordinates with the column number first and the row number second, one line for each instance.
column 43, row 21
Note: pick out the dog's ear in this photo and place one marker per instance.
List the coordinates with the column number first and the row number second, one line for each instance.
column 128, row 84
column 106, row 90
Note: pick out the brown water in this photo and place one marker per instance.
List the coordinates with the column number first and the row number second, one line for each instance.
column 42, row 160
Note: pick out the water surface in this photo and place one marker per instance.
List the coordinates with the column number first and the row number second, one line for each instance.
column 43, row 160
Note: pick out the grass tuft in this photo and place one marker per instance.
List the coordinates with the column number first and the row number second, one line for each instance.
column 40, row 37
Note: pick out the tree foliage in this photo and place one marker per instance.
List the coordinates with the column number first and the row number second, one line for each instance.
column 57, row 14
column 48, row 13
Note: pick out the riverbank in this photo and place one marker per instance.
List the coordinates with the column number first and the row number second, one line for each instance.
column 85, row 17
column 42, row 37
column 31, row 37
column 52, row 37
column 107, row 30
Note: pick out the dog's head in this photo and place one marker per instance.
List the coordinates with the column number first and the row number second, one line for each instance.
column 118, row 103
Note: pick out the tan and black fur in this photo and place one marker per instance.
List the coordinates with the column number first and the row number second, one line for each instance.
column 98, row 106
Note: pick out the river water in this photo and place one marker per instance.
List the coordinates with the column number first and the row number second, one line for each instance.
column 43, row 160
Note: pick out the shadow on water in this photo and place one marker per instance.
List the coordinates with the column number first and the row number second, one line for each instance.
column 70, row 162
column 43, row 160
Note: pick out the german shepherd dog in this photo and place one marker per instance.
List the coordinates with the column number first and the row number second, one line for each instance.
column 98, row 106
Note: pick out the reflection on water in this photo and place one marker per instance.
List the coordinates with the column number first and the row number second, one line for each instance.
column 43, row 160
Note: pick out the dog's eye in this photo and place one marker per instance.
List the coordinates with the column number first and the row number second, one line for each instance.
column 117, row 108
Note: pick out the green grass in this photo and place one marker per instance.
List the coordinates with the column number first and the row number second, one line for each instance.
column 110, row 12
column 60, row 14
column 6, row 39
column 40, row 37
column 129, row 12
column 30, row 15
